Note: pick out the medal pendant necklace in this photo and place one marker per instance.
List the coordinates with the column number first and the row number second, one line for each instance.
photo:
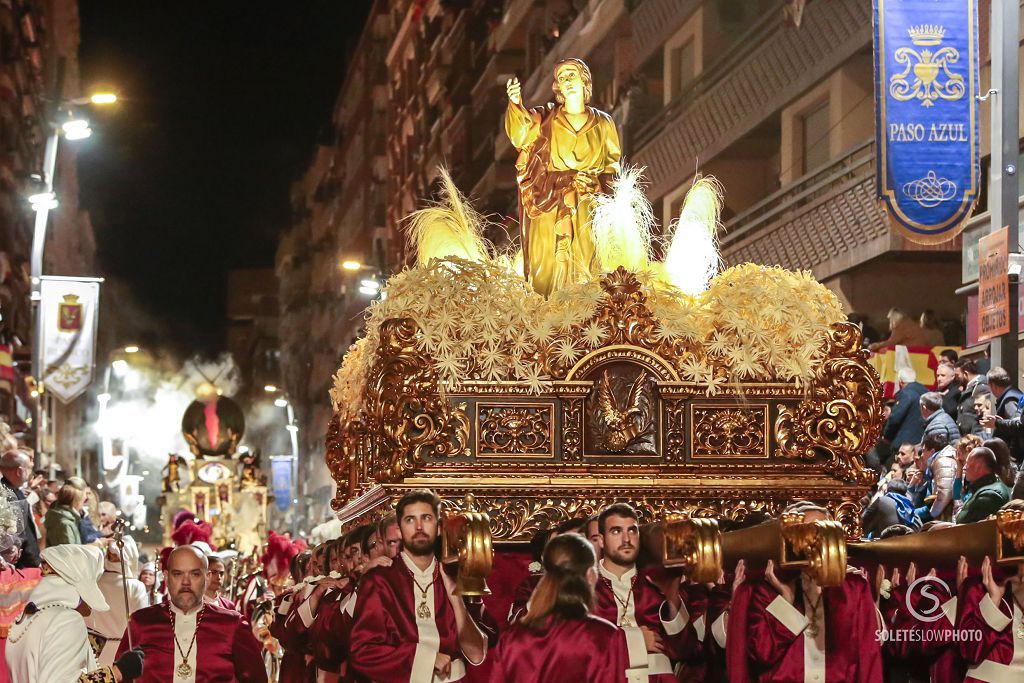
column 812, row 626
column 184, row 670
column 422, row 610
column 624, row 620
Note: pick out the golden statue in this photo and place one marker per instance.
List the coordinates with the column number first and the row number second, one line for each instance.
column 567, row 153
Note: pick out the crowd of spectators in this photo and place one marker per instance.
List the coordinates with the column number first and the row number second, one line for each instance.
column 51, row 512
column 951, row 455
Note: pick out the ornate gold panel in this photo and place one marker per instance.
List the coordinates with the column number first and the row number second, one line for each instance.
column 516, row 430
column 718, row 431
column 787, row 441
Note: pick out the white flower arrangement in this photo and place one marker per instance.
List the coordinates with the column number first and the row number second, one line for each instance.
column 481, row 321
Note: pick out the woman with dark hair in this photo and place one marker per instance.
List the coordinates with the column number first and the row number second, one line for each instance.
column 558, row 639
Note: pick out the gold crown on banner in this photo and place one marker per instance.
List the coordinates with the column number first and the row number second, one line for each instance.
column 926, row 34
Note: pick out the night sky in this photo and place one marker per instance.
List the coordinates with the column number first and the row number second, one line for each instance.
column 189, row 176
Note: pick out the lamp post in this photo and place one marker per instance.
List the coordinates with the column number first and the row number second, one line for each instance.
column 73, row 128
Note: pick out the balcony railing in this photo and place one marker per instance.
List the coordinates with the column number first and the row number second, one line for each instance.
column 769, row 67
column 827, row 221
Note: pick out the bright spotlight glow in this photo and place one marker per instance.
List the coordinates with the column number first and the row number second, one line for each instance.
column 351, row 265
column 103, row 398
column 120, row 367
column 131, row 349
column 99, row 487
column 369, row 292
column 34, row 394
column 281, row 403
column 270, row 388
column 78, row 134
column 103, row 98
column 76, row 129
column 369, row 284
column 292, row 428
column 43, row 201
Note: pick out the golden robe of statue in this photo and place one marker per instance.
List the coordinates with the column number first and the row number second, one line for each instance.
column 567, row 153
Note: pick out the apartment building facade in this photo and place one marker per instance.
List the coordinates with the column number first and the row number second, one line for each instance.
column 773, row 97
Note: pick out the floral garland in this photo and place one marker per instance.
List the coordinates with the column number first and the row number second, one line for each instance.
column 482, row 321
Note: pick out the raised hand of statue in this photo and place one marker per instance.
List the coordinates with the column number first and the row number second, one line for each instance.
column 514, row 90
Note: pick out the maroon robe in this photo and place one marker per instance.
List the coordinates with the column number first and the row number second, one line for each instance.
column 587, row 649
column 385, row 642
column 694, row 668
column 226, row 649
column 647, row 603
column 762, row 648
column 293, row 637
column 522, row 596
column 933, row 647
column 715, row 620
column 995, row 649
column 331, row 630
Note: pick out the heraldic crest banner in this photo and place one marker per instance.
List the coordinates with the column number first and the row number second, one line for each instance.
column 69, row 313
column 926, row 83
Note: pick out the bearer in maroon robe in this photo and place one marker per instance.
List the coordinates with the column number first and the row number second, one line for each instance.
column 658, row 629
column 558, row 640
column 929, row 646
column 189, row 641
column 214, row 582
column 330, row 607
column 992, row 606
column 790, row 630
column 408, row 625
column 297, row 665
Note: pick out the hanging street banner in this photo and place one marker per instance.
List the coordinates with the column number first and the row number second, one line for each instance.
column 68, row 317
column 993, row 284
column 281, row 467
column 926, row 115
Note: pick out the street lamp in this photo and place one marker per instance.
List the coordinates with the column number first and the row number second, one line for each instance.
column 73, row 128
column 102, row 98
column 76, row 129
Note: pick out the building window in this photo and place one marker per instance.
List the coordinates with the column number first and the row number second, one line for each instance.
column 684, row 61
column 815, row 142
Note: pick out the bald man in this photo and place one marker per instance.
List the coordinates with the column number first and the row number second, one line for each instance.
column 16, row 468
column 187, row 640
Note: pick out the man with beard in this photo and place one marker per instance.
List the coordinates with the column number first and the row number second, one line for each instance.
column 187, row 640
column 408, row 625
column 657, row 626
column 946, row 384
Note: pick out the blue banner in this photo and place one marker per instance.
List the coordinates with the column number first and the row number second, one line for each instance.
column 926, row 114
column 281, row 480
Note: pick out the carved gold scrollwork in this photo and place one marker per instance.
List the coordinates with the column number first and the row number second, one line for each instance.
column 514, row 430
column 572, row 429
column 404, row 401
column 730, row 432
column 675, row 430
column 841, row 417
column 623, row 312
